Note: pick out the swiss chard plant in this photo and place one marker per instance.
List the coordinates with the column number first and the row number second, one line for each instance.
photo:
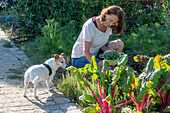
column 142, row 89
column 158, row 72
column 106, row 80
column 131, row 85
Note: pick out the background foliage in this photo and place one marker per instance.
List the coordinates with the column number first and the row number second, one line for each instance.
column 70, row 15
column 33, row 13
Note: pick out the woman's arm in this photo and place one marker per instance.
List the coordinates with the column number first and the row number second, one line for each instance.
column 86, row 50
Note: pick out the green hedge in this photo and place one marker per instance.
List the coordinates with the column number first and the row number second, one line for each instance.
column 33, row 13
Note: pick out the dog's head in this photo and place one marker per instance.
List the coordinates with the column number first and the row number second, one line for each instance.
column 60, row 60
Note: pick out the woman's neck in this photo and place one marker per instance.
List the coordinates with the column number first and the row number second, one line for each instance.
column 100, row 26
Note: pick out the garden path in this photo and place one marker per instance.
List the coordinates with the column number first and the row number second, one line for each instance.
column 11, row 90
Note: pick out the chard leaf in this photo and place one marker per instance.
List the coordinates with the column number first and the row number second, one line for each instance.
column 96, row 74
column 137, row 82
column 156, row 75
column 108, row 98
column 91, row 109
column 73, row 69
column 123, row 60
column 94, row 63
column 81, row 97
column 149, row 84
column 142, row 76
column 115, row 79
column 161, row 62
column 124, row 86
column 94, row 77
column 89, row 98
column 145, row 89
column 141, row 94
column 150, row 65
column 166, row 87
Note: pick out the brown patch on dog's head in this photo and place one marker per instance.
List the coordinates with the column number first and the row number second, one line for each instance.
column 63, row 54
column 56, row 56
column 59, row 59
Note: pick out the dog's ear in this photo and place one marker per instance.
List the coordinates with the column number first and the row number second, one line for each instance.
column 56, row 56
column 63, row 54
column 53, row 55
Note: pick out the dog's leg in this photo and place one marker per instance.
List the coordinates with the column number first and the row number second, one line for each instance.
column 26, row 82
column 35, row 82
column 48, row 83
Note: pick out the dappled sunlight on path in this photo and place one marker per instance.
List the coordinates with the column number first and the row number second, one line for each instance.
column 12, row 67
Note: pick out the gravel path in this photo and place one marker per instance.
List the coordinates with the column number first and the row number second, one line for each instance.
column 12, row 62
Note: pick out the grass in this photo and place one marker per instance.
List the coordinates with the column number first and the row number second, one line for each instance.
column 16, row 71
column 7, row 44
column 147, row 40
column 32, row 51
column 13, row 76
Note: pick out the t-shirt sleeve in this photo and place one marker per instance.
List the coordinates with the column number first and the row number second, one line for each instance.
column 88, row 33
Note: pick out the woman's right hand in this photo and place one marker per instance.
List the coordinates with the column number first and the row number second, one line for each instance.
column 100, row 65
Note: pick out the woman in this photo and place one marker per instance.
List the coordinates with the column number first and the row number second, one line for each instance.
column 95, row 34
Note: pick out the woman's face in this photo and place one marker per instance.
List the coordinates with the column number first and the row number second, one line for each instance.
column 111, row 20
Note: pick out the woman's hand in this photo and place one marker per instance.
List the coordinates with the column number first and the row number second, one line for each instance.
column 100, row 65
column 104, row 48
column 109, row 48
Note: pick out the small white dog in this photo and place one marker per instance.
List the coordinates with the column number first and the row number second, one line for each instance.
column 43, row 72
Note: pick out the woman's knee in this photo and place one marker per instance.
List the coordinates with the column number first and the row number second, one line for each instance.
column 117, row 45
column 121, row 45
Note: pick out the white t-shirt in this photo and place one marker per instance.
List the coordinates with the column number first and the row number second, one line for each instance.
column 91, row 34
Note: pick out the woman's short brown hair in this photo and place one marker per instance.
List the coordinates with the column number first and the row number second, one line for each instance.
column 116, row 10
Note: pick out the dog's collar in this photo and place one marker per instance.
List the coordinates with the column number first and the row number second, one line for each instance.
column 49, row 68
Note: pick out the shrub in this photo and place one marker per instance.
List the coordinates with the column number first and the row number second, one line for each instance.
column 57, row 39
column 33, row 14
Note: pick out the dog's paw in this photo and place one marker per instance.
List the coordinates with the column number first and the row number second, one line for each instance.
column 50, row 89
column 35, row 96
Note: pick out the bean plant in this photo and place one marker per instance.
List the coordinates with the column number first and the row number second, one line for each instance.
column 111, row 55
